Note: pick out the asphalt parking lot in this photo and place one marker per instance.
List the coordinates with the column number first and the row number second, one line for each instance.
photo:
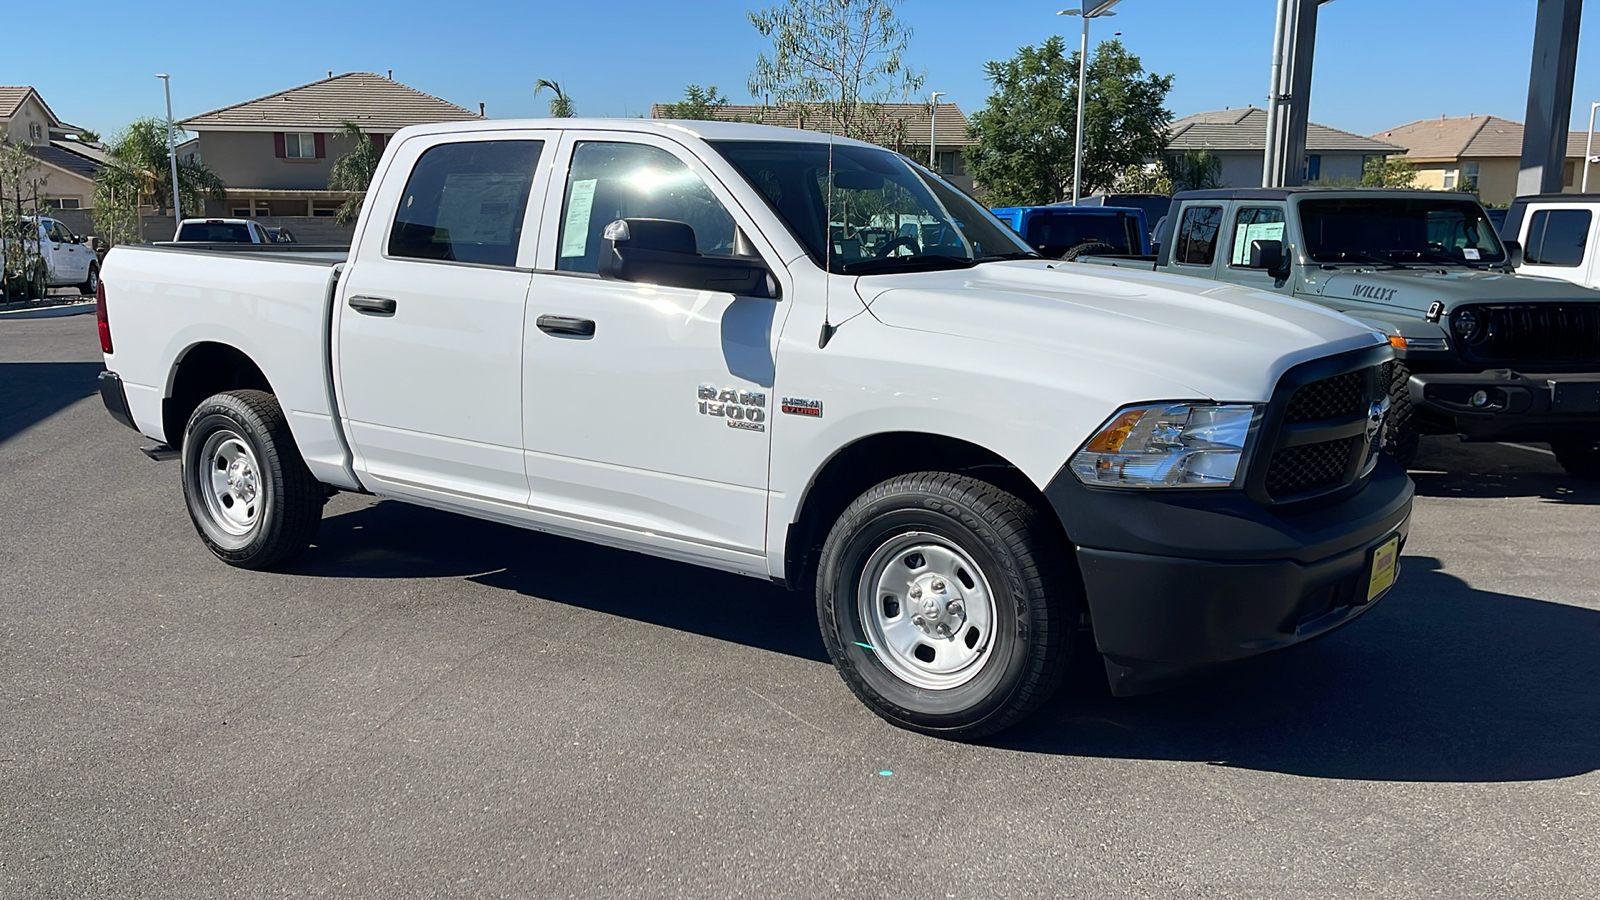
column 431, row 706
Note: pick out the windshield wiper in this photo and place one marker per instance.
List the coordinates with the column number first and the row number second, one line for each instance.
column 999, row 257
column 1363, row 256
column 906, row 264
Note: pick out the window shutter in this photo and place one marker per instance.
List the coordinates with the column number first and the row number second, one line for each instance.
column 322, row 147
column 277, row 145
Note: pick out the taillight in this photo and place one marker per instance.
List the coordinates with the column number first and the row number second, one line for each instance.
column 100, row 317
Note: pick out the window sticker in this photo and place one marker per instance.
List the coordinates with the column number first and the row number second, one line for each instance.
column 1258, row 231
column 575, row 232
column 1470, row 252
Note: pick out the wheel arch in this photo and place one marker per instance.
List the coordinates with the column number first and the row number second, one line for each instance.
column 875, row 458
column 202, row 369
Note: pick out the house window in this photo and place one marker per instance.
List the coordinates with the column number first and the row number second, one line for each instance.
column 35, row 131
column 241, row 212
column 300, row 146
column 1450, row 178
column 947, row 162
column 64, row 203
column 1313, row 167
column 1469, row 176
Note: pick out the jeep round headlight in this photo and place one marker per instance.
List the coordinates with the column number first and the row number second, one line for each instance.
column 1167, row 445
column 1466, row 324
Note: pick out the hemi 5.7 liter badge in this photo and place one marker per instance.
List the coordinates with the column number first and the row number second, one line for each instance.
column 795, row 406
column 745, row 410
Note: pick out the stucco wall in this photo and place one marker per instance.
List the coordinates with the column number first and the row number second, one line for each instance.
column 246, row 159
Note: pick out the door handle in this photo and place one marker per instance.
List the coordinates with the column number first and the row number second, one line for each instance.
column 381, row 305
column 566, row 325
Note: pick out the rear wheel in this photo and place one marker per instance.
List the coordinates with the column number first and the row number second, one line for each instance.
column 944, row 604
column 249, row 493
column 91, row 284
column 1401, row 431
column 1580, row 457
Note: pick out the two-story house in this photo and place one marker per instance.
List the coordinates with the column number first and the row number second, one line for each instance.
column 69, row 164
column 275, row 152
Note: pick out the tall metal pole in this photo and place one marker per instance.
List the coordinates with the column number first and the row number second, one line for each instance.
column 1083, row 69
column 1588, row 148
column 172, row 157
column 933, row 119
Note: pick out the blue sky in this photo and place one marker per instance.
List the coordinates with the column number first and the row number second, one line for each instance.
column 1380, row 63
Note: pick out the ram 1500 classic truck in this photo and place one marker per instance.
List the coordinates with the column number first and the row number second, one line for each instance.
column 664, row 337
column 1484, row 352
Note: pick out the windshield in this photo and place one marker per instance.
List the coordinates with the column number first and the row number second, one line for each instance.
column 875, row 213
column 1054, row 233
column 1400, row 230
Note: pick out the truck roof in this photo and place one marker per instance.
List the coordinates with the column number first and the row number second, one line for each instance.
column 1283, row 193
column 1559, row 198
column 710, row 131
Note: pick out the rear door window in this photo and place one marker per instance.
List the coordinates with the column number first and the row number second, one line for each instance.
column 1196, row 243
column 464, row 202
column 1557, row 237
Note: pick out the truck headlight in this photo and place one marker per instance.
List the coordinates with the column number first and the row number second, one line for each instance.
column 1167, row 445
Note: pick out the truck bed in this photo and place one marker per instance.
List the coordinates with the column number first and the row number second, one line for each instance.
column 273, row 303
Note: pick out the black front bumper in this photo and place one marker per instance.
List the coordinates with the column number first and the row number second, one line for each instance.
column 115, row 398
column 1512, row 406
column 1181, row 580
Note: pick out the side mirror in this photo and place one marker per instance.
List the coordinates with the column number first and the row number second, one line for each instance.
column 1514, row 255
column 662, row 251
column 1268, row 255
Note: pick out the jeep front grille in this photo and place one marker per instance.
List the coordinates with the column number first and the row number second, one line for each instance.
column 1539, row 333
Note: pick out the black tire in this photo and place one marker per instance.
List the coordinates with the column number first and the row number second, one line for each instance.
column 1401, row 431
column 1580, row 457
column 91, row 285
column 264, row 509
column 1035, row 594
column 1092, row 248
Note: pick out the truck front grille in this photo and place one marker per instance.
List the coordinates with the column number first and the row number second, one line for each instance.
column 1539, row 333
column 1322, row 442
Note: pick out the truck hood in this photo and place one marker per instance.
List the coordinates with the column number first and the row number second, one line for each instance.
column 1418, row 289
column 1209, row 340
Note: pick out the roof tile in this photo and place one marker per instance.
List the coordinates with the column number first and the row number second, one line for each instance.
column 1246, row 129
column 369, row 100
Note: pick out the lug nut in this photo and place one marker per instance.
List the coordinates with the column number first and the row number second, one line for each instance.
column 937, row 585
column 916, row 593
column 953, row 607
column 919, row 621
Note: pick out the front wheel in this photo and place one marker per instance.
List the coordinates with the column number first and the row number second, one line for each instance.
column 945, row 604
column 1580, row 457
column 1401, row 431
column 249, row 493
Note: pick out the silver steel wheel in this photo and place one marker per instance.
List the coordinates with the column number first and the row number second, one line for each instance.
column 230, row 483
column 927, row 611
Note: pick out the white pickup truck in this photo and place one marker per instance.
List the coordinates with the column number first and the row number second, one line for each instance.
column 68, row 261
column 1558, row 236
column 795, row 358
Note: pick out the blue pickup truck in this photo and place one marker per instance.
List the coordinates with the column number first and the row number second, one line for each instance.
column 1064, row 231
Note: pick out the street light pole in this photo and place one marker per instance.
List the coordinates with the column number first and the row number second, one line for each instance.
column 1588, row 148
column 1103, row 8
column 172, row 157
column 933, row 119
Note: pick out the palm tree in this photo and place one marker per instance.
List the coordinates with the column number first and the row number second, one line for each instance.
column 353, row 171
column 140, row 174
column 560, row 105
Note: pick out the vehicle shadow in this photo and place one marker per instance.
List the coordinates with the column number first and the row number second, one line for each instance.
column 396, row 540
column 1440, row 682
column 31, row 392
column 1446, row 467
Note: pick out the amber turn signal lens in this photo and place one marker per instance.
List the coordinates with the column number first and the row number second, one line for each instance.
column 1111, row 438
